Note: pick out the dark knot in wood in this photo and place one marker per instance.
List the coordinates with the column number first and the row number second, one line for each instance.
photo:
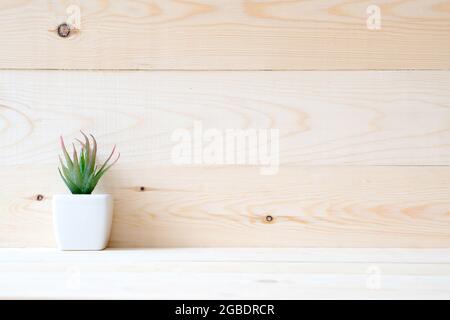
column 63, row 30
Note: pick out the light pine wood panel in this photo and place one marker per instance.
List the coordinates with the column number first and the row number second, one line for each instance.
column 196, row 255
column 206, row 207
column 323, row 118
column 226, row 274
column 220, row 34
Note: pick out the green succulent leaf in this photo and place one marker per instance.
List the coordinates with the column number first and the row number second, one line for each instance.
column 66, row 154
column 80, row 172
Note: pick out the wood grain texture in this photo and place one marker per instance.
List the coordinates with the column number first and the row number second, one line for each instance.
column 225, row 274
column 208, row 207
column 323, row 118
column 327, row 121
column 231, row 35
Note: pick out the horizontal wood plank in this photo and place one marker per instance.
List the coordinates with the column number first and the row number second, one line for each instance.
column 225, row 35
column 242, row 274
column 228, row 207
column 147, row 256
column 323, row 118
column 327, row 121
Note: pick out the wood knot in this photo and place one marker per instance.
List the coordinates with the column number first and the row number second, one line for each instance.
column 39, row 197
column 269, row 219
column 63, row 30
column 142, row 188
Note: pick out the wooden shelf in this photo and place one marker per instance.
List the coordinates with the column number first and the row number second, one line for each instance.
column 226, row 274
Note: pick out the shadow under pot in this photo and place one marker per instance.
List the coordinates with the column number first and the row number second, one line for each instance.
column 82, row 221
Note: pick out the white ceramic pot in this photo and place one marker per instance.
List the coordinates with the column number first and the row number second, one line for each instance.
column 82, row 221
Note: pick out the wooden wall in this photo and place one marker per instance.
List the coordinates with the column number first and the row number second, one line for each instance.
column 363, row 116
column 226, row 35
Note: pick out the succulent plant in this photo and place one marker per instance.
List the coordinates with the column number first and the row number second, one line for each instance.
column 81, row 173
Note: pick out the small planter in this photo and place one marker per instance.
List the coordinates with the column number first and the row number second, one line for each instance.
column 82, row 221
